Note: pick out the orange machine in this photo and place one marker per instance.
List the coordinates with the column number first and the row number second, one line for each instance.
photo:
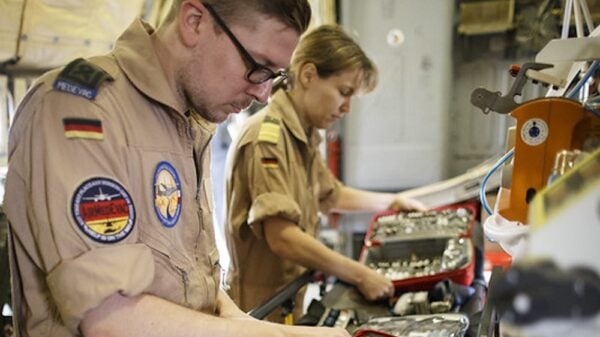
column 544, row 127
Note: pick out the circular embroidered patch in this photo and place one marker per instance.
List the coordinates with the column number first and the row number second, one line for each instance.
column 167, row 194
column 103, row 210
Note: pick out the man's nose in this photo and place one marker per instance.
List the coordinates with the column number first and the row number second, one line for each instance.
column 261, row 92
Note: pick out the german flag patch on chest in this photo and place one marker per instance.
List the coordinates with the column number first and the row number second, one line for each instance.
column 83, row 128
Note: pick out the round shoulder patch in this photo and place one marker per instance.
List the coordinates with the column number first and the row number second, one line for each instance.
column 167, row 194
column 103, row 210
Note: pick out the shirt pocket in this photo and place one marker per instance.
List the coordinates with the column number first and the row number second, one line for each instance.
column 171, row 275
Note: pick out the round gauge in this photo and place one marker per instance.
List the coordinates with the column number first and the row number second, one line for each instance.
column 534, row 132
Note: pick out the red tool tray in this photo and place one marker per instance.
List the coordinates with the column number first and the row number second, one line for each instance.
column 418, row 249
column 452, row 220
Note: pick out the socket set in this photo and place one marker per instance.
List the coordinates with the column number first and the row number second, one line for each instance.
column 452, row 221
column 418, row 249
column 421, row 263
column 438, row 325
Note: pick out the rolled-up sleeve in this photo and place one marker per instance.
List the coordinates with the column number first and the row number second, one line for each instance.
column 80, row 272
column 273, row 204
column 83, row 283
column 268, row 175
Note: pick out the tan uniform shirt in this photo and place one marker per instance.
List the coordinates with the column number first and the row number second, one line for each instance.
column 109, row 194
column 273, row 169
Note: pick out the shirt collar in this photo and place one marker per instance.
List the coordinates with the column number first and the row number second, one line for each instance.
column 291, row 119
column 210, row 127
column 135, row 55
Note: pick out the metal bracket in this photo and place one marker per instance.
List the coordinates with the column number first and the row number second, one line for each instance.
column 494, row 101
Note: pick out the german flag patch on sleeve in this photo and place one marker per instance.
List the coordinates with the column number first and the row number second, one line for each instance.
column 269, row 162
column 83, row 128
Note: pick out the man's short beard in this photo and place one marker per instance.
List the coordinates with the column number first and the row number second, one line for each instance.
column 196, row 107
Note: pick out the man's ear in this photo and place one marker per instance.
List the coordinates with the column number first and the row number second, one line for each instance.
column 190, row 16
column 307, row 73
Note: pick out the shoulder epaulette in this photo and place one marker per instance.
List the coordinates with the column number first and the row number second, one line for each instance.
column 269, row 130
column 81, row 78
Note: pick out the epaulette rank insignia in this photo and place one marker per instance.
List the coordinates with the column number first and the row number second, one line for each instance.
column 81, row 78
column 269, row 130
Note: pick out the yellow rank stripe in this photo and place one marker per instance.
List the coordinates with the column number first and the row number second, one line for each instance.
column 269, row 132
column 84, row 134
column 271, row 166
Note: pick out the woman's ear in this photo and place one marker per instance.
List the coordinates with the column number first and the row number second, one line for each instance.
column 191, row 15
column 307, row 73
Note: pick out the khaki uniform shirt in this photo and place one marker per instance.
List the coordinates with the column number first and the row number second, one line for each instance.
column 109, row 194
column 273, row 169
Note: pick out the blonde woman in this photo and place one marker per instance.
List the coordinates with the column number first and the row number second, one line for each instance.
column 278, row 183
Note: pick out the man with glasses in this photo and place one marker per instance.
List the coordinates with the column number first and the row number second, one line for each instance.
column 108, row 193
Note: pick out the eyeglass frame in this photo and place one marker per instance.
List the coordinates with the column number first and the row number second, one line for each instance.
column 255, row 67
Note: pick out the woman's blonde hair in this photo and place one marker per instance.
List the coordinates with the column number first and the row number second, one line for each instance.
column 332, row 51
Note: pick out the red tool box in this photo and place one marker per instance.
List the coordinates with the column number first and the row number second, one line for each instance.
column 418, row 249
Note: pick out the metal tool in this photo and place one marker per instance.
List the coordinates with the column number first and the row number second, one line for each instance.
column 432, row 223
column 494, row 101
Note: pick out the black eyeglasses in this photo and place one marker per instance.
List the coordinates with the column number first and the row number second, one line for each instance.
column 257, row 73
